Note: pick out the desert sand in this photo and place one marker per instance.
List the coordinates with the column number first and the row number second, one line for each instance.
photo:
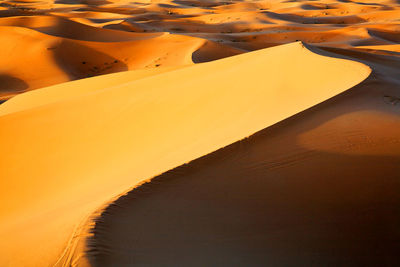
column 199, row 133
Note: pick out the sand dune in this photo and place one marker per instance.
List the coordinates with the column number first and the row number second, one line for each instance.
column 112, row 36
column 99, row 143
column 103, row 95
column 318, row 189
column 45, row 45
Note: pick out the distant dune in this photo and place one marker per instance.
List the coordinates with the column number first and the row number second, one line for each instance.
column 189, row 148
column 119, row 35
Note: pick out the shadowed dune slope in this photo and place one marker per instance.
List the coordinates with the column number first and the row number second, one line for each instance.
column 321, row 188
column 99, row 143
column 41, row 60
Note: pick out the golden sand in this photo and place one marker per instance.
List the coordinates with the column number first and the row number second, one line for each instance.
column 104, row 95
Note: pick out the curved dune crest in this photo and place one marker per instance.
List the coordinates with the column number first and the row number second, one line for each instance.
column 62, row 27
column 94, row 146
column 321, row 188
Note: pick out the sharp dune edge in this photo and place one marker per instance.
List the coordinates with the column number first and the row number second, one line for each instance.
column 99, row 143
column 85, row 167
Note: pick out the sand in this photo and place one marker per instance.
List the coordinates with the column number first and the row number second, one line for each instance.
column 291, row 195
column 129, row 91
column 112, row 36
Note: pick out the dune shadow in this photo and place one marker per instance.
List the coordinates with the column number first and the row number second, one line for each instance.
column 335, row 20
column 80, row 61
column 66, row 28
column 87, row 2
column 10, row 85
column 68, row 2
column 264, row 201
column 210, row 51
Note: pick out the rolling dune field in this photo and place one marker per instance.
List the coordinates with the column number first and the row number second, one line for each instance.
column 199, row 133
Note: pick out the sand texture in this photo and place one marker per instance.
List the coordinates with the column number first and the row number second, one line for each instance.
column 199, row 133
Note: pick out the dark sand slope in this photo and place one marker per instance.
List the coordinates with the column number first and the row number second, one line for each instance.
column 321, row 188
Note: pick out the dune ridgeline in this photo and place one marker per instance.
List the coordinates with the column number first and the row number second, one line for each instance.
column 199, row 133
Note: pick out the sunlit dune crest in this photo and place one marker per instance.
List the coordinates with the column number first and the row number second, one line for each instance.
column 126, row 130
column 199, row 133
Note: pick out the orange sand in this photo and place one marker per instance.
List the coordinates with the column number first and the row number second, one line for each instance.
column 72, row 148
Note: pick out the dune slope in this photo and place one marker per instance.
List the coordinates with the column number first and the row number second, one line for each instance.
column 321, row 188
column 94, row 146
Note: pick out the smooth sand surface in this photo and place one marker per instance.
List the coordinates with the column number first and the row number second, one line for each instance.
column 316, row 185
column 318, row 189
column 100, row 143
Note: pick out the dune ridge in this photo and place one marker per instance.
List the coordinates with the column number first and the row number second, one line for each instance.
column 123, row 144
column 274, row 198
column 77, row 137
column 319, row 188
